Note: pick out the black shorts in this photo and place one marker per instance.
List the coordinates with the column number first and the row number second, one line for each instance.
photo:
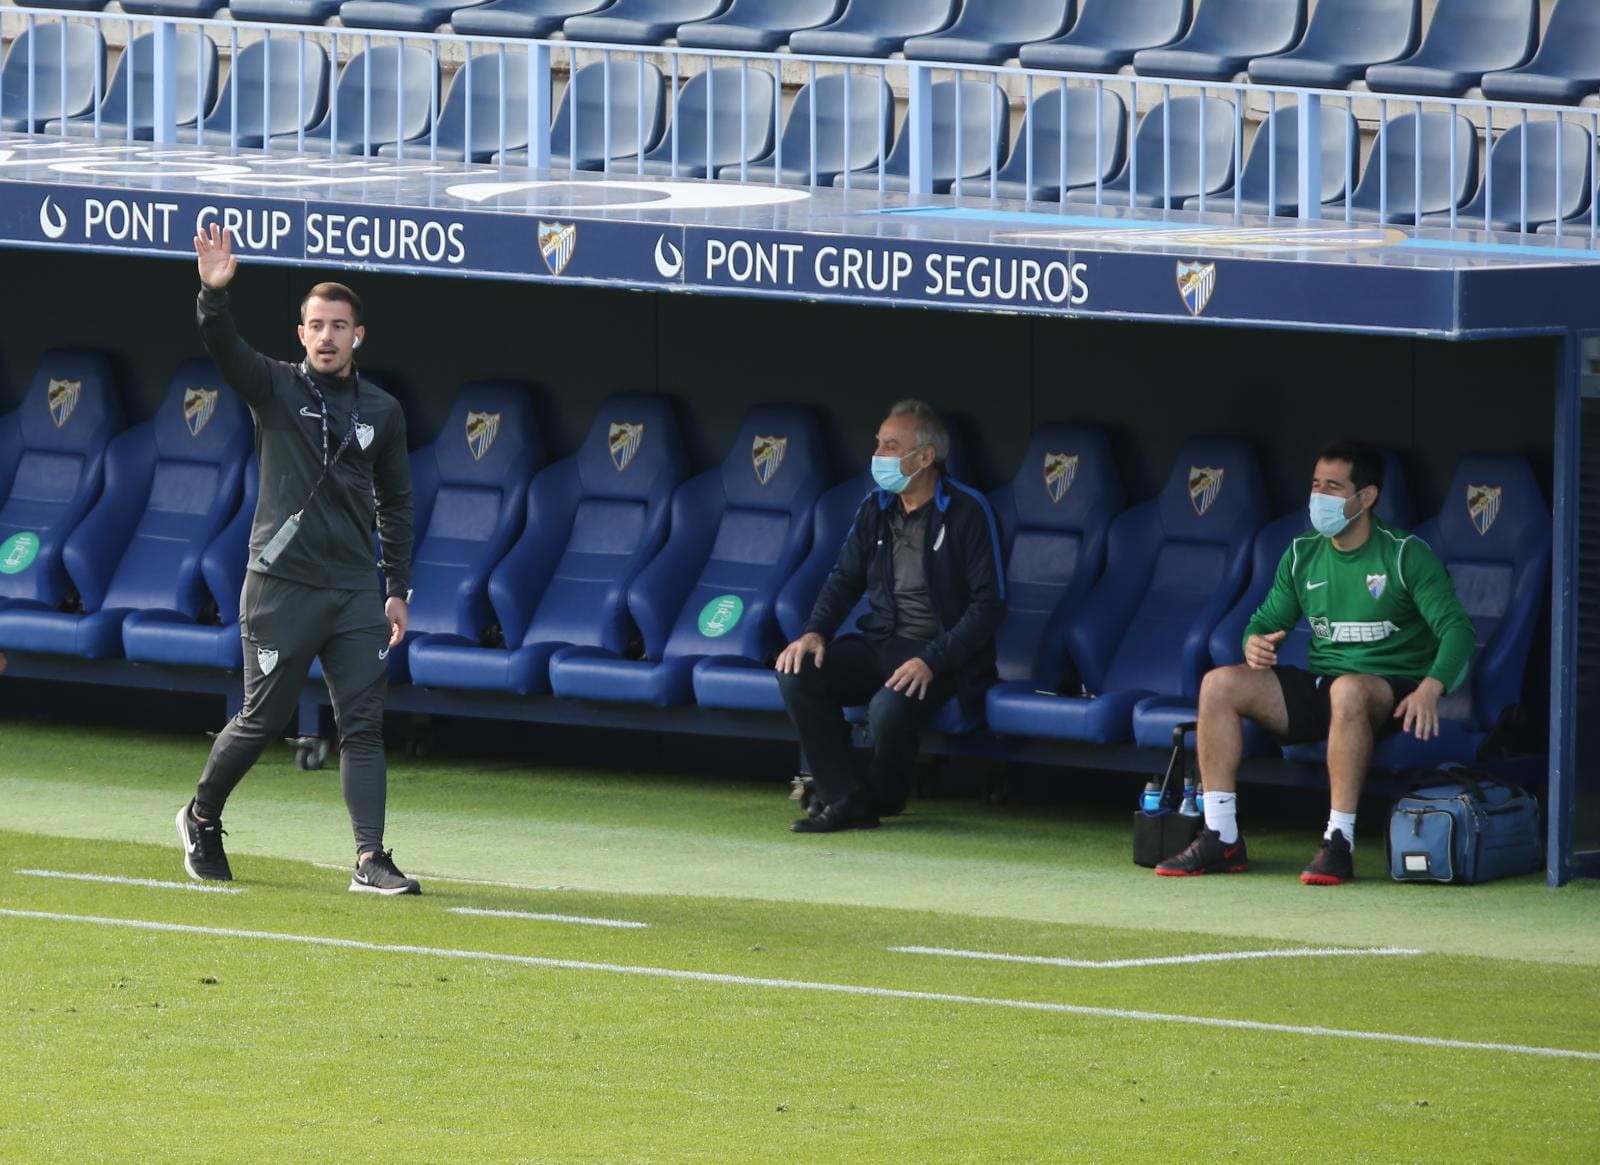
column 1306, row 699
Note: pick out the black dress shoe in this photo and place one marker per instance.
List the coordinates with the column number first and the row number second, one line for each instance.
column 844, row 814
column 804, row 790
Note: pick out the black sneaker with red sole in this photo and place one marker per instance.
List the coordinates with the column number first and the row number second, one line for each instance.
column 1207, row 855
column 1333, row 865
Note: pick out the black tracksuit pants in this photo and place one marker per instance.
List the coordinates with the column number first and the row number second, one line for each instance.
column 285, row 625
column 852, row 673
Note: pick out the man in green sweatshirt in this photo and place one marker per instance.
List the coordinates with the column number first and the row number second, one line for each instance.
column 1388, row 638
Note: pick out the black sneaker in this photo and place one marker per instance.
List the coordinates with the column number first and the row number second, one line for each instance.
column 1333, row 865
column 831, row 818
column 379, row 875
column 1207, row 855
column 203, row 858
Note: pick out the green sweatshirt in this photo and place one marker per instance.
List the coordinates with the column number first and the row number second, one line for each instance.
column 1386, row 608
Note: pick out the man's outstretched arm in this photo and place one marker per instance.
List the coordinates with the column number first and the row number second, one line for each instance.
column 245, row 369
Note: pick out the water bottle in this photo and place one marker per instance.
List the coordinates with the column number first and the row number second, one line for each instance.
column 1199, row 798
column 1150, row 801
column 1190, row 807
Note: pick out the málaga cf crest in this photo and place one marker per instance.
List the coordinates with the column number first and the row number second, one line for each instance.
column 481, row 431
column 1377, row 584
column 557, row 241
column 624, row 440
column 1196, row 282
column 1205, row 483
column 198, row 406
column 1483, row 505
column 766, row 453
column 63, row 397
column 1059, row 470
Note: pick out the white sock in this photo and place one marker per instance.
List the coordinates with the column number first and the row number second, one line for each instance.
column 1222, row 815
column 1345, row 823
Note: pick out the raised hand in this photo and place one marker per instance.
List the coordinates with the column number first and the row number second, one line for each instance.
column 217, row 260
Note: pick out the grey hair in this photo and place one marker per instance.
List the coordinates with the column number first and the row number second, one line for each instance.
column 930, row 429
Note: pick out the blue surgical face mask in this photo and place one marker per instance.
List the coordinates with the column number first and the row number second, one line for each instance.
column 886, row 472
column 1327, row 514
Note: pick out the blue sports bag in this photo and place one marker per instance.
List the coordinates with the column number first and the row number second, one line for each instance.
column 1464, row 827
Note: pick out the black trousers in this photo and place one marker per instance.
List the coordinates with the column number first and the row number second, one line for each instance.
column 852, row 673
column 285, row 625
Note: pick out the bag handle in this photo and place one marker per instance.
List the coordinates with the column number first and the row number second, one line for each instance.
column 1464, row 776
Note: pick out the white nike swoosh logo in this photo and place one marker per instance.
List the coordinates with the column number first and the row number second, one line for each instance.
column 305, row 412
column 1311, row 586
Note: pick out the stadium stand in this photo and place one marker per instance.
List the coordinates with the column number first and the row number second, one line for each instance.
column 171, row 483
column 875, row 29
column 737, row 533
column 1343, row 40
column 485, row 86
column 1465, row 40
column 529, row 18
column 1565, row 70
column 578, row 139
column 1268, row 183
column 403, row 87
column 864, row 102
column 1188, row 132
column 1555, row 191
column 132, row 115
column 989, row 34
column 1388, row 187
column 1107, row 34
column 1225, row 37
column 266, row 80
column 758, row 26
column 640, row 21
column 984, row 115
column 724, row 117
column 65, row 59
column 1046, row 158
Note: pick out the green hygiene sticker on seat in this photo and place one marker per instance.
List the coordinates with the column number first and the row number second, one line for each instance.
column 18, row 552
column 721, row 615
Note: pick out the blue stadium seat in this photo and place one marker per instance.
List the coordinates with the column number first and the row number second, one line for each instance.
column 1193, row 121
column 1156, row 717
column 640, row 21
column 741, row 103
column 404, row 88
column 1397, row 143
column 188, row 9
column 478, row 85
column 1225, row 37
column 1344, row 39
column 54, row 49
column 285, row 11
column 71, row 5
column 401, row 15
column 738, row 533
column 1565, row 70
column 758, row 26
column 1465, row 40
column 527, row 18
column 171, row 484
column 1494, row 537
column 578, row 139
column 196, row 88
column 52, row 462
column 1553, row 194
column 981, row 109
column 210, row 638
column 989, row 34
column 1261, row 191
column 267, row 79
column 864, row 101
column 1096, row 120
column 593, row 521
column 1107, row 35
column 1174, row 566
column 874, row 28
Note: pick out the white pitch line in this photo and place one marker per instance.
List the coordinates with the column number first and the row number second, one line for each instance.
column 618, row 923
column 116, row 881
column 1163, row 961
column 804, row 985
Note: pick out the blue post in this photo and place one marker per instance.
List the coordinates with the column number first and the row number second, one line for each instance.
column 919, row 124
column 1310, row 156
column 539, row 111
column 1564, row 709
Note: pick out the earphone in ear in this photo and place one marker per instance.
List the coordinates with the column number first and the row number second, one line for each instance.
column 357, row 344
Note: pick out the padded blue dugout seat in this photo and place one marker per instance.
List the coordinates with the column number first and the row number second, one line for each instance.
column 640, row 21
column 989, row 34
column 1155, row 718
column 1200, row 150
column 529, row 18
column 65, row 60
column 1397, row 144
column 738, row 532
column 1344, row 39
column 741, row 105
column 479, row 85
column 171, row 483
column 285, row 11
column 578, row 138
column 401, row 15
column 1107, row 35
column 1270, row 180
column 864, row 101
column 1494, row 537
column 1174, row 566
column 196, row 89
column 1225, row 37
column 1565, row 70
column 267, row 80
column 404, row 90
column 211, row 637
column 52, row 463
column 874, row 28
column 1554, row 192
column 1465, row 40
column 1046, row 158
column 758, row 26
column 984, row 117
column 593, row 521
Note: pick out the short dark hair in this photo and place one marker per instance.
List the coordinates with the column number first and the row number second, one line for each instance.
column 1366, row 462
column 334, row 293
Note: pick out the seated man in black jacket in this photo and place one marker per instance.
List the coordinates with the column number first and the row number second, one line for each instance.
column 926, row 552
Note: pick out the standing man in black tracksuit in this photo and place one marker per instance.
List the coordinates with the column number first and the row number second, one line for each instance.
column 925, row 550
column 330, row 445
